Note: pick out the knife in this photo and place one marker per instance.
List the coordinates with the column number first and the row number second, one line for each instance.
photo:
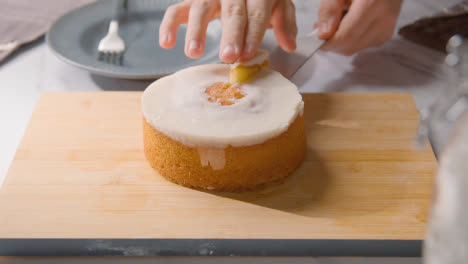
column 289, row 63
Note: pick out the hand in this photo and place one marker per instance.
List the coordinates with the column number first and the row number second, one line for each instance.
column 244, row 24
column 368, row 23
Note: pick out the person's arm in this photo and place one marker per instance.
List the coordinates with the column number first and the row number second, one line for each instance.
column 244, row 25
column 367, row 23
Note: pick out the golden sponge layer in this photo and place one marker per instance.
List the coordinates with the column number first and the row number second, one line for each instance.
column 245, row 168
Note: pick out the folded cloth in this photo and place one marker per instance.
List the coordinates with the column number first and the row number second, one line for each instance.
column 23, row 21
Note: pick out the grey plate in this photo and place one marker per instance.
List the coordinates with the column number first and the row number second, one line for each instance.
column 75, row 36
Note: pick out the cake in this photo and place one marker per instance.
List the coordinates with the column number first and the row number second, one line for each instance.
column 224, row 127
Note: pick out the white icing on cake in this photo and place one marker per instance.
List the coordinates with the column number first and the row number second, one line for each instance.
column 178, row 106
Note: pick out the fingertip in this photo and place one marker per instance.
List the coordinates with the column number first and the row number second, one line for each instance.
column 285, row 26
column 166, row 40
column 324, row 35
column 288, row 45
column 228, row 60
column 164, row 45
column 291, row 47
column 286, row 38
column 329, row 17
column 174, row 16
column 248, row 52
column 325, row 29
column 229, row 53
column 194, row 49
column 292, row 44
column 192, row 55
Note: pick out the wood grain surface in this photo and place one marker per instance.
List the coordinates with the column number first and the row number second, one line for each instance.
column 80, row 172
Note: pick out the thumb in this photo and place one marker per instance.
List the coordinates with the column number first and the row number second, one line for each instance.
column 329, row 17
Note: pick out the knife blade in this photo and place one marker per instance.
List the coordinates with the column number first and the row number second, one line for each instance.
column 289, row 63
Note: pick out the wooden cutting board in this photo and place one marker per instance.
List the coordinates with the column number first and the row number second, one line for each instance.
column 80, row 184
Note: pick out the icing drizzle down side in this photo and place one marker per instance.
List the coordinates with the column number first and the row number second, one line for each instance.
column 214, row 157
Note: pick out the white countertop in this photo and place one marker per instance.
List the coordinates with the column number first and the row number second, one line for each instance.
column 398, row 66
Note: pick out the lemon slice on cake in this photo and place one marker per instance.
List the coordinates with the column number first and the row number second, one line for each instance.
column 242, row 72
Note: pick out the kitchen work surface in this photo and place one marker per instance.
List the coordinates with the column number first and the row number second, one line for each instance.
column 79, row 185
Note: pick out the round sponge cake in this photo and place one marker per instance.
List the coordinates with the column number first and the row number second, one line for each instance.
column 201, row 132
